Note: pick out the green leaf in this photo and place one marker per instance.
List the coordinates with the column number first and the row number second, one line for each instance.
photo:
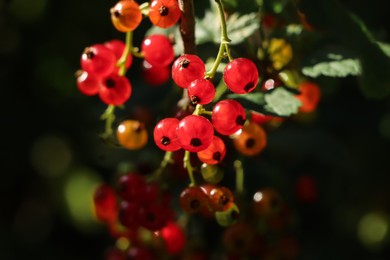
column 256, row 98
column 385, row 47
column 282, row 102
column 241, row 27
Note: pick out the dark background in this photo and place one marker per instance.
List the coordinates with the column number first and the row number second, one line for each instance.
column 51, row 152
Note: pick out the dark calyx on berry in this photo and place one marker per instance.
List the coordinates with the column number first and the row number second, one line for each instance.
column 249, row 86
column 223, row 200
column 184, row 63
column 195, row 204
column 110, row 83
column 164, row 11
column 196, row 142
column 250, row 142
column 90, row 54
column 116, row 13
column 217, row 156
column 150, row 217
column 240, row 120
column 195, row 100
column 165, row 140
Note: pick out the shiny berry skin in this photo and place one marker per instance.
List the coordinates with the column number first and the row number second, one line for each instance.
column 201, row 91
column 105, row 203
column 310, row 96
column 174, row 238
column 132, row 135
column 158, row 50
column 165, row 135
column 267, row 202
column 98, row 60
column 131, row 187
column 241, row 75
column 195, row 133
column 87, row 83
column 186, row 69
column 115, row 90
column 214, row 153
column 220, row 198
column 259, row 118
column 153, row 217
column 128, row 214
column 164, row 13
column 193, row 199
column 155, row 75
column 118, row 48
column 126, row 15
column 228, row 116
column 251, row 140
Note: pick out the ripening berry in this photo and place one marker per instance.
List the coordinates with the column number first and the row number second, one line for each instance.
column 186, row 69
column 241, row 75
column 229, row 216
column 211, row 173
column 267, row 202
column 228, row 116
column 131, row 187
column 105, row 204
column 251, row 140
column 174, row 238
column 126, row 15
column 158, row 50
column 259, row 118
column 310, row 96
column 98, row 60
column 132, row 135
column 195, row 133
column 220, row 198
column 118, row 48
column 193, row 199
column 155, row 75
column 115, row 90
column 214, row 153
column 165, row 135
column 164, row 13
column 201, row 91
column 87, row 83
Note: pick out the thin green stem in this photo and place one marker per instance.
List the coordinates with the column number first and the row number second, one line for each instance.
column 221, row 52
column 128, row 48
column 239, row 176
column 109, row 117
column 221, row 12
column 164, row 163
column 187, row 165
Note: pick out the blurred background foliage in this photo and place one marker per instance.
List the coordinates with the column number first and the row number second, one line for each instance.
column 52, row 157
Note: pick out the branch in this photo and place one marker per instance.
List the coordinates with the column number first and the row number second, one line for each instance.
column 187, row 26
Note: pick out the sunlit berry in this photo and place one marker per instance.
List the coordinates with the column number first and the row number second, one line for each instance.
column 115, row 90
column 158, row 50
column 126, row 15
column 186, row 69
column 105, row 204
column 241, row 75
column 118, row 48
column 192, row 199
column 214, row 153
column 87, row 83
column 155, row 75
column 132, row 135
column 259, row 118
column 131, row 187
column 165, row 135
column 98, row 60
column 310, row 96
column 228, row 116
column 201, row 91
column 164, row 13
column 251, row 140
column 267, row 202
column 174, row 238
column 195, row 133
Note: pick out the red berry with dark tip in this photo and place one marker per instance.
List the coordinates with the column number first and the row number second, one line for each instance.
column 87, row 83
column 195, row 133
column 158, row 50
column 201, row 91
column 154, row 216
column 106, row 208
column 165, row 135
column 115, row 90
column 241, row 75
column 155, row 75
column 164, row 13
column 193, row 199
column 186, row 69
column 99, row 60
column 214, row 153
column 228, row 116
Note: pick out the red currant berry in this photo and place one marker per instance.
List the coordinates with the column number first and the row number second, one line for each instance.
column 193, row 199
column 165, row 135
column 126, row 15
column 115, row 90
column 228, row 116
column 131, row 187
column 155, row 75
column 201, row 91
column 128, row 214
column 164, row 13
column 158, row 50
column 87, row 83
column 220, row 198
column 214, row 153
column 259, row 118
column 106, row 208
column 267, row 202
column 174, row 238
column 153, row 217
column 195, row 133
column 251, row 140
column 186, row 69
column 241, row 76
column 132, row 134
column 310, row 96
column 98, row 60
column 118, row 48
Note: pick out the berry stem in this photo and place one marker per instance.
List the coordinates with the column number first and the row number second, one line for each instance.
column 109, row 117
column 188, row 166
column 221, row 12
column 122, row 61
column 239, row 176
column 164, row 163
